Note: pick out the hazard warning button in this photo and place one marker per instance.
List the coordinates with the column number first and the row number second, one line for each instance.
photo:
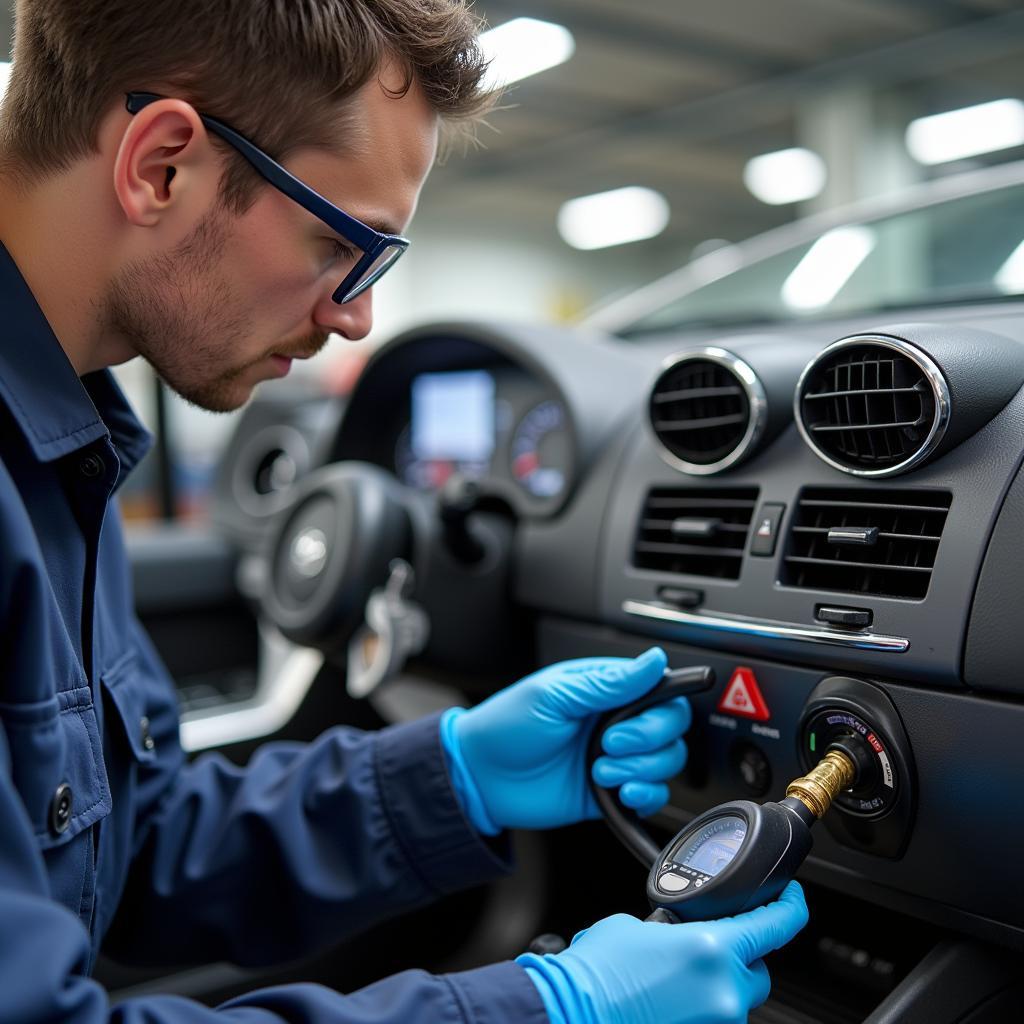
column 743, row 697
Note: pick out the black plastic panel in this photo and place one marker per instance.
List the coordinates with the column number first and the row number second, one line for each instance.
column 995, row 644
column 976, row 474
column 961, row 865
column 957, row 983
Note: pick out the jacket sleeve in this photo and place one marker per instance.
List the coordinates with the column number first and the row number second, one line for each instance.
column 307, row 844
column 45, row 955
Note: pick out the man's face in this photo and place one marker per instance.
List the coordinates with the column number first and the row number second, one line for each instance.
column 237, row 299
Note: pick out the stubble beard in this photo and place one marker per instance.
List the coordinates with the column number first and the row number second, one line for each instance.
column 180, row 314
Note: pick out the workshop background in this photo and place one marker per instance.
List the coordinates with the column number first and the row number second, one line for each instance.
column 682, row 104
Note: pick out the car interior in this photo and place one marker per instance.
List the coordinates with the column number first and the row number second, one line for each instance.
column 824, row 510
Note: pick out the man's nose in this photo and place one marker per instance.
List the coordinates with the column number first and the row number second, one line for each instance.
column 352, row 320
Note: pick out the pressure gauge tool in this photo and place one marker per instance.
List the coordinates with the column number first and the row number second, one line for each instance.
column 736, row 856
column 740, row 855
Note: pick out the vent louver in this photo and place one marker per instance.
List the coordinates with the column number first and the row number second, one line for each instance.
column 695, row 532
column 707, row 409
column 878, row 543
column 872, row 406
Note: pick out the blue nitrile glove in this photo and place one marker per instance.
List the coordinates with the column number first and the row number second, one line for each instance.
column 626, row 971
column 519, row 759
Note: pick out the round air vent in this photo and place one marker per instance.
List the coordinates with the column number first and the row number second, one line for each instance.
column 872, row 406
column 707, row 409
column 265, row 469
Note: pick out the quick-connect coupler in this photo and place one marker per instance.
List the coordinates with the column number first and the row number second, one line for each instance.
column 819, row 787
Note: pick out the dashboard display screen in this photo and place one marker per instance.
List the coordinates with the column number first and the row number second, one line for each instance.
column 714, row 846
column 453, row 416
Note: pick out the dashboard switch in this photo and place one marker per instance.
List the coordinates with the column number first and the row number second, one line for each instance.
column 852, row 618
column 743, row 697
column 751, row 767
column 681, row 597
column 687, row 526
column 766, row 529
column 672, row 881
column 861, row 536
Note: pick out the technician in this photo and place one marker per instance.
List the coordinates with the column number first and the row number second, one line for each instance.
column 137, row 220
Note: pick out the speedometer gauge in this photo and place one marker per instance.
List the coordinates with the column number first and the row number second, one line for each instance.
column 542, row 450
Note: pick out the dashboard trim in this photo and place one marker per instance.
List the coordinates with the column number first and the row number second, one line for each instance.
column 662, row 612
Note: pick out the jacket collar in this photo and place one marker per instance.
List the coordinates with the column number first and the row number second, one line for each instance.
column 57, row 411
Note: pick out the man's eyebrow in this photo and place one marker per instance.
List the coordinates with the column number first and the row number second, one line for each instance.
column 379, row 224
column 383, row 227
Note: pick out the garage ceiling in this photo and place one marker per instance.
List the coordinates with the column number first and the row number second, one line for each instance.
column 678, row 95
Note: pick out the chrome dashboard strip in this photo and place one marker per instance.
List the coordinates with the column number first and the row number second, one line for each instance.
column 769, row 630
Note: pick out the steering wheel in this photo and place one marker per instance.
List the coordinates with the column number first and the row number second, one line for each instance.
column 330, row 548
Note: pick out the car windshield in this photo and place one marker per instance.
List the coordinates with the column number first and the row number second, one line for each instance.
column 970, row 248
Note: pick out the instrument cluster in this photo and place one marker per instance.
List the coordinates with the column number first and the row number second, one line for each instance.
column 496, row 426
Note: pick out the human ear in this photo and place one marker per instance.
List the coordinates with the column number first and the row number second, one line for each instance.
column 165, row 164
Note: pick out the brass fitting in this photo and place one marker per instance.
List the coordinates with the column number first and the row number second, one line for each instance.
column 819, row 787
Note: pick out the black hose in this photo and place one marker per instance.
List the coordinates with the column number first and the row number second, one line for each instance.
column 625, row 823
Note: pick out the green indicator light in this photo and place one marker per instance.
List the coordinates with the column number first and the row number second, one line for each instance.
column 812, row 742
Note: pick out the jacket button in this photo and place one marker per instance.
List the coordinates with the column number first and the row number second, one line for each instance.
column 91, row 466
column 60, row 809
column 147, row 740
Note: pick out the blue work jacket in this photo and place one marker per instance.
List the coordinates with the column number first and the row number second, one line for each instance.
column 107, row 833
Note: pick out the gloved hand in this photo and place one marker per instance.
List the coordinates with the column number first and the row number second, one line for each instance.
column 518, row 759
column 626, row 971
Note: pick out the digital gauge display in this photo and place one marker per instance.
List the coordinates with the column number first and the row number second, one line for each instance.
column 542, row 451
column 453, row 416
column 488, row 427
column 712, row 848
column 452, row 428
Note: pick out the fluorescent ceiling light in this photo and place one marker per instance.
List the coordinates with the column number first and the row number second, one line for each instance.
column 1010, row 276
column 961, row 133
column 826, row 267
column 786, row 176
column 5, row 71
column 612, row 218
column 523, row 47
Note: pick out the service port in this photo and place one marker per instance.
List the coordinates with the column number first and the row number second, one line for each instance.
column 875, row 814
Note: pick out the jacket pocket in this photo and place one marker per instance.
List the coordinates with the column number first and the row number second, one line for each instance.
column 124, row 688
column 57, row 764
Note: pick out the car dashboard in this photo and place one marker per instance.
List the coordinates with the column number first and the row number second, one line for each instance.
column 689, row 491
column 459, row 409
column 827, row 515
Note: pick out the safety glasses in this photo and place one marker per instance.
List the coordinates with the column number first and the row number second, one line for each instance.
column 380, row 251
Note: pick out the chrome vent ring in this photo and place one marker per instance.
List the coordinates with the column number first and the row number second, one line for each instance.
column 707, row 409
column 872, row 406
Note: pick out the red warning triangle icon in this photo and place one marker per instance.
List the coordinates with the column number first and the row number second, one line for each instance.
column 743, row 697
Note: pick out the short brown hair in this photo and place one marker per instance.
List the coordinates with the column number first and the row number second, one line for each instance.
column 279, row 71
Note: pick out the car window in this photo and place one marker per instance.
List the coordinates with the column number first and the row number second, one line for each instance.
column 965, row 249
